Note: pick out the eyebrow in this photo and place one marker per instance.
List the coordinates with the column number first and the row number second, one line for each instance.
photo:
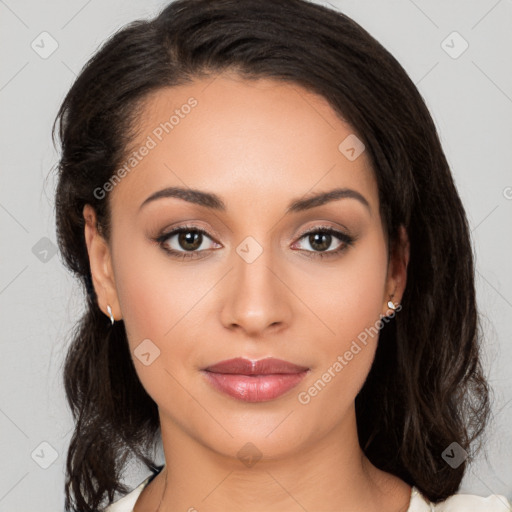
column 214, row 202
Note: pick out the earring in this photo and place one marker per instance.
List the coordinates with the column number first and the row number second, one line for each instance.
column 109, row 309
column 392, row 305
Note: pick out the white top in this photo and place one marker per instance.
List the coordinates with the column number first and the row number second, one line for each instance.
column 418, row 503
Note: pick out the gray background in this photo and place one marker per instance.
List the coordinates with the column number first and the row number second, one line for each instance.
column 470, row 98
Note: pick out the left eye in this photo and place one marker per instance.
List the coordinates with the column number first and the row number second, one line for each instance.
column 321, row 239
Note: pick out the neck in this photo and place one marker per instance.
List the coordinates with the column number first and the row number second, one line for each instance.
column 331, row 474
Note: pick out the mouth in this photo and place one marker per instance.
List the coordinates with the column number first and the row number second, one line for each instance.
column 254, row 381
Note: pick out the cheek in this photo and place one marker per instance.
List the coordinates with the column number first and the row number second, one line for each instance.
column 160, row 301
column 153, row 293
column 350, row 305
column 155, row 298
column 351, row 298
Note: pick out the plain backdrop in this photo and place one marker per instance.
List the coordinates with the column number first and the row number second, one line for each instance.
column 469, row 93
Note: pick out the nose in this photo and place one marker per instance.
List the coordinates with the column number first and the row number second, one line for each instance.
column 256, row 297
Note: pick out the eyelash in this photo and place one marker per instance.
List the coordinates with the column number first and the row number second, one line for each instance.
column 346, row 240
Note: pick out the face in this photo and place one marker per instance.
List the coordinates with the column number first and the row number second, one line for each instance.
column 250, row 275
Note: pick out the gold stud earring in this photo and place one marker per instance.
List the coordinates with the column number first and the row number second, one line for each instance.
column 109, row 309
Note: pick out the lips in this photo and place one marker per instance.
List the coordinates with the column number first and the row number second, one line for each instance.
column 254, row 381
column 266, row 366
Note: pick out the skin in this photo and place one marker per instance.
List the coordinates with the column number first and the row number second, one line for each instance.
column 258, row 145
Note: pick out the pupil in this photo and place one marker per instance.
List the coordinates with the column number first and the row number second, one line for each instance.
column 190, row 238
column 313, row 239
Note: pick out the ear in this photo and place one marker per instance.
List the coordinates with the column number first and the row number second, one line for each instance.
column 100, row 261
column 397, row 271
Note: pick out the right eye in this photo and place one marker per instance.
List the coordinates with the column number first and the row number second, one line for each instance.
column 188, row 241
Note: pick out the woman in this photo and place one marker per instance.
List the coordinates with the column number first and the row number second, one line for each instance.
column 278, row 269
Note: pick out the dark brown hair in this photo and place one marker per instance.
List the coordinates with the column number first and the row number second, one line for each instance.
column 426, row 388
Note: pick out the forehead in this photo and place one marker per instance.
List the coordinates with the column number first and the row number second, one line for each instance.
column 261, row 139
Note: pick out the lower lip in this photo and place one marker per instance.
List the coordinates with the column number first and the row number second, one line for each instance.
column 257, row 388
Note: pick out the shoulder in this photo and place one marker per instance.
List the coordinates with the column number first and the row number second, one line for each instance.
column 460, row 503
column 127, row 502
column 472, row 502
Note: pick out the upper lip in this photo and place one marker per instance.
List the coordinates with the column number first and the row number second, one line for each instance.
column 242, row 366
